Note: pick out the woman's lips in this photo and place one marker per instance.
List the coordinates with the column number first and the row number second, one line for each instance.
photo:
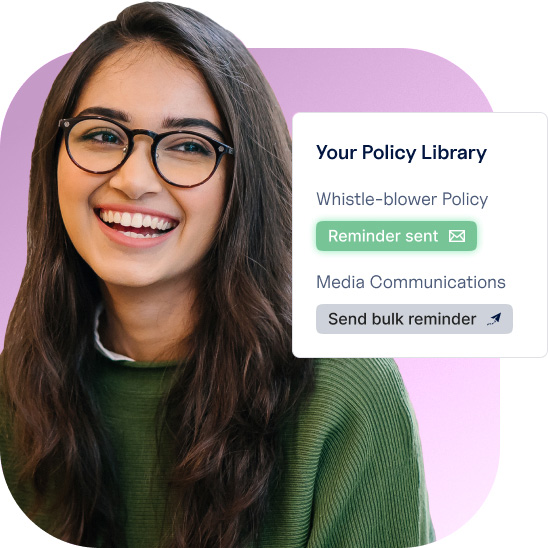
column 136, row 219
column 136, row 223
column 134, row 229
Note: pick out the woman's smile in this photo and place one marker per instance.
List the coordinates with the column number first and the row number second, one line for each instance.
column 131, row 226
column 136, row 225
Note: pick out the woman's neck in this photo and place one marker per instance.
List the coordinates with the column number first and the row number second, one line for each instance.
column 146, row 324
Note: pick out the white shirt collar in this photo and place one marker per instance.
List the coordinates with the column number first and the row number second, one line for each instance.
column 99, row 345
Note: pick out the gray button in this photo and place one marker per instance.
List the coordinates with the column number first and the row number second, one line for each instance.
column 414, row 318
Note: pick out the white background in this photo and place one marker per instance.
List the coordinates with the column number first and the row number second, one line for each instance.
column 502, row 45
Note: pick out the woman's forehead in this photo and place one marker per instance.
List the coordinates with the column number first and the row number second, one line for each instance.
column 149, row 84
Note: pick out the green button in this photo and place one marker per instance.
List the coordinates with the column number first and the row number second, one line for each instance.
column 396, row 235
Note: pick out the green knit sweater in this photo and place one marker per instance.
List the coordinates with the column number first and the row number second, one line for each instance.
column 353, row 474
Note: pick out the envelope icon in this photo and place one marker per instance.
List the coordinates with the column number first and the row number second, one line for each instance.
column 457, row 236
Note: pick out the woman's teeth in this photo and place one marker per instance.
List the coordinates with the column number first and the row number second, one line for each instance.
column 155, row 225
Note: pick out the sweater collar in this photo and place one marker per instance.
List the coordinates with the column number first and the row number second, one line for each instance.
column 114, row 356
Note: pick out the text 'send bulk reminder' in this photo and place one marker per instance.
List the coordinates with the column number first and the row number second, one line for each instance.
column 420, row 235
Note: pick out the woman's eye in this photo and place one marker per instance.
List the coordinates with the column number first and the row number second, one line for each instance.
column 191, row 147
column 102, row 136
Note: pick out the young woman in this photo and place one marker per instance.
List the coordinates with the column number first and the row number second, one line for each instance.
column 149, row 394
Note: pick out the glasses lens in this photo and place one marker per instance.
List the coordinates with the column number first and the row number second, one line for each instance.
column 185, row 159
column 97, row 145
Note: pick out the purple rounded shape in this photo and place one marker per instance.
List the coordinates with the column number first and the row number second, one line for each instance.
column 456, row 401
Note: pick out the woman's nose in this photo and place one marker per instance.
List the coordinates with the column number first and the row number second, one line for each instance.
column 137, row 176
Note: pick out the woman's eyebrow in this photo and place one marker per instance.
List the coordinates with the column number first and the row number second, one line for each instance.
column 108, row 112
column 185, row 123
column 168, row 123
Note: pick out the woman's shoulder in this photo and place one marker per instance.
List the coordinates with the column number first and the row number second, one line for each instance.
column 364, row 399
column 360, row 376
column 370, row 386
column 354, row 456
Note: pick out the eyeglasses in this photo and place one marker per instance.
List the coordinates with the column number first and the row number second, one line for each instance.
column 182, row 158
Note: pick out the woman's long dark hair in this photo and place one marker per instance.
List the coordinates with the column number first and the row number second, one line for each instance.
column 227, row 454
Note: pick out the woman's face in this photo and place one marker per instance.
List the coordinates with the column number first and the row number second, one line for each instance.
column 143, row 90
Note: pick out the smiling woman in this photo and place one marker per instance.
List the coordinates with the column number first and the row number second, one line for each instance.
column 149, row 396
column 107, row 170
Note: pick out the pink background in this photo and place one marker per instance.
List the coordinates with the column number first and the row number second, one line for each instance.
column 456, row 400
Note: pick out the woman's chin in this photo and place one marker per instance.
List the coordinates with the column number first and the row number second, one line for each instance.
column 131, row 278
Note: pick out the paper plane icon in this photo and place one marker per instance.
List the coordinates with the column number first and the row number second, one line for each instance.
column 495, row 318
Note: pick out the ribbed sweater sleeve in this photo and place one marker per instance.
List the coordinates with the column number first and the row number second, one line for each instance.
column 354, row 475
